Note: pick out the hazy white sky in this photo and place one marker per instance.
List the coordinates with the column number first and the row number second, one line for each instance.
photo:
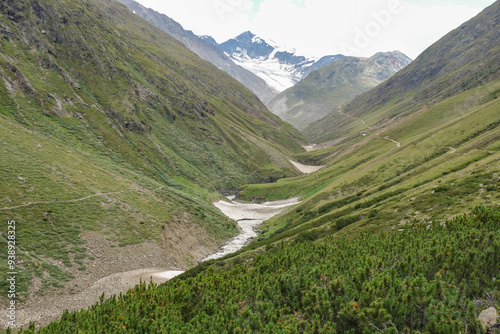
column 323, row 27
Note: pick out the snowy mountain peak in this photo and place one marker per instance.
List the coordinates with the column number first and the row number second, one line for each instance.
column 280, row 67
column 247, row 35
column 247, row 45
column 257, row 40
column 209, row 39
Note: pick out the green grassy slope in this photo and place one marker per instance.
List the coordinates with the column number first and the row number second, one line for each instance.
column 108, row 124
column 447, row 161
column 399, row 233
column 465, row 58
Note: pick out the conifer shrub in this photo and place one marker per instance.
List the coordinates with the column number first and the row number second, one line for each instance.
column 421, row 280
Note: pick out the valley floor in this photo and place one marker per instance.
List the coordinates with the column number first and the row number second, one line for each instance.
column 249, row 216
column 47, row 308
column 43, row 310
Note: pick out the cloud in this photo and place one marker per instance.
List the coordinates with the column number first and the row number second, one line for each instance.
column 418, row 27
column 325, row 27
column 320, row 27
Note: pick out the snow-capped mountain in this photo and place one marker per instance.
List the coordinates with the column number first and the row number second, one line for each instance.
column 281, row 68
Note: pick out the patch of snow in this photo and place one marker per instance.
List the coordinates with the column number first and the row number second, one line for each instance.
column 247, row 233
column 166, row 275
column 251, row 211
column 310, row 148
column 306, row 169
column 248, row 217
column 276, row 75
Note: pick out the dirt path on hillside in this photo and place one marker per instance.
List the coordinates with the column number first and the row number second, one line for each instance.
column 150, row 192
column 356, row 118
column 62, row 202
column 451, row 150
column 398, row 144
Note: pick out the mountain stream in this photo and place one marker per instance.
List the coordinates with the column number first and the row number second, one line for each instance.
column 248, row 216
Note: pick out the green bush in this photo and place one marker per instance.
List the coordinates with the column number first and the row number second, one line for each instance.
column 307, row 236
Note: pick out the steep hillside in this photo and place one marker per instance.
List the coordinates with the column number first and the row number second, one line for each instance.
column 205, row 48
column 465, row 58
column 115, row 137
column 334, row 85
column 427, row 169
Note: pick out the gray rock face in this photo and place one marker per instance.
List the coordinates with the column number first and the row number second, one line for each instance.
column 323, row 61
column 249, row 44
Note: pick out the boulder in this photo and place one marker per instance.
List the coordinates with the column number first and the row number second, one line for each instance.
column 488, row 317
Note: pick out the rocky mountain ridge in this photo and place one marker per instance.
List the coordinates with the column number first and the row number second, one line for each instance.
column 334, row 85
column 205, row 47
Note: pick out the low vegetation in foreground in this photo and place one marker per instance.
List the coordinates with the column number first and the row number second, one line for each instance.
column 425, row 279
